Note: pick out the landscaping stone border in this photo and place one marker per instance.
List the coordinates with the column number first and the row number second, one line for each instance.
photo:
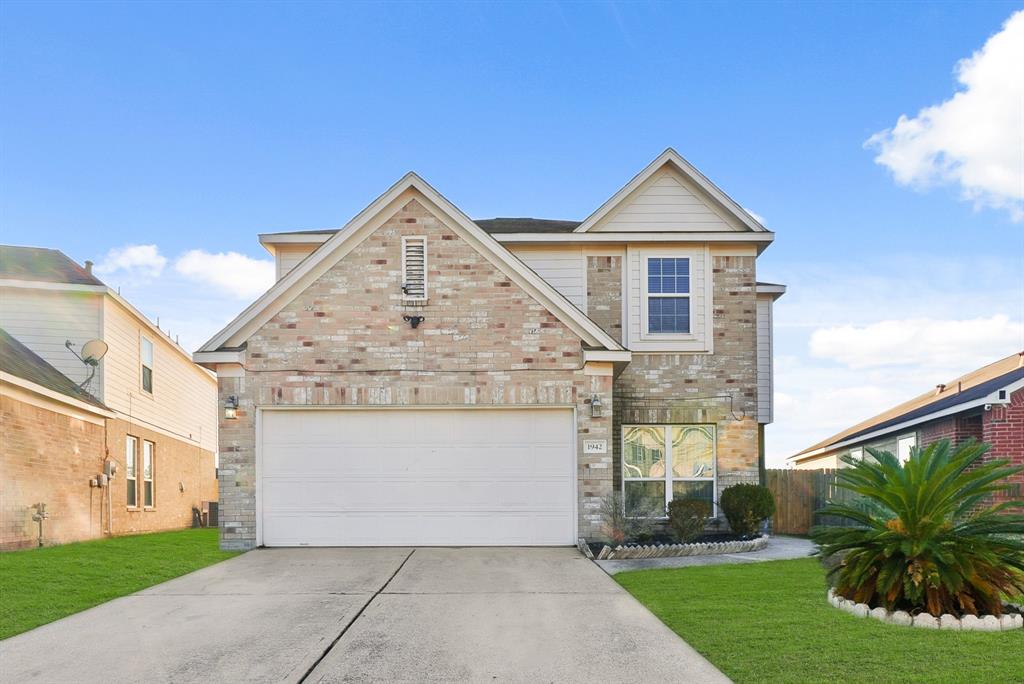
column 674, row 550
column 968, row 623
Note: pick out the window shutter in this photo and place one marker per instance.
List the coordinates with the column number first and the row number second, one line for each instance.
column 414, row 267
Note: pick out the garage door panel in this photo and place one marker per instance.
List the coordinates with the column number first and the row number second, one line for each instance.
column 406, row 477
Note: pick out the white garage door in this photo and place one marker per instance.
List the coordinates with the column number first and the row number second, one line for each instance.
column 417, row 477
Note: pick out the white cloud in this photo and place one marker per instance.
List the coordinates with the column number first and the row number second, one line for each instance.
column 919, row 341
column 234, row 274
column 133, row 263
column 973, row 139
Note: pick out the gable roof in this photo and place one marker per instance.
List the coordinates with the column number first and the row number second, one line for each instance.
column 344, row 240
column 964, row 392
column 39, row 264
column 20, row 361
column 675, row 160
column 494, row 226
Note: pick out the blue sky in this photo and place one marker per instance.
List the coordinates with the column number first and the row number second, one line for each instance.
column 196, row 126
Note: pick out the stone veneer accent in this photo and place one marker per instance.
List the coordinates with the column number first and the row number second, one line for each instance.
column 657, row 388
column 604, row 293
column 484, row 342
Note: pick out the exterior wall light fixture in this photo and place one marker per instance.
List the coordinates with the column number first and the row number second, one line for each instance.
column 231, row 407
column 596, row 407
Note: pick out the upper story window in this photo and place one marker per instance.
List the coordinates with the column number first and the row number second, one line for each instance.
column 414, row 268
column 667, row 295
column 147, row 365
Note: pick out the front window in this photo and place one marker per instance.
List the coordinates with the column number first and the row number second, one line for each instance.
column 903, row 447
column 131, row 448
column 147, row 365
column 147, row 473
column 665, row 462
column 668, row 295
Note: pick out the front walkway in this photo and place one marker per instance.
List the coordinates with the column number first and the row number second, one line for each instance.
column 779, row 548
column 329, row 615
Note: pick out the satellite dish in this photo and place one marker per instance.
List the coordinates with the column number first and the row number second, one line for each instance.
column 93, row 351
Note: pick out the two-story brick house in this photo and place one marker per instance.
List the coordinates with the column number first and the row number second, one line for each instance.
column 145, row 409
column 417, row 377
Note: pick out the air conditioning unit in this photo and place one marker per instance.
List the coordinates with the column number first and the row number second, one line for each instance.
column 211, row 514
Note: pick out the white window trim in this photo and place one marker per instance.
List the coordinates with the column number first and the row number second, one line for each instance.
column 645, row 296
column 134, row 441
column 668, row 479
column 903, row 438
column 701, row 338
column 152, row 473
column 143, row 340
column 405, row 241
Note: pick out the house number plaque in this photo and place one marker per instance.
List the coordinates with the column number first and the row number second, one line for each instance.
column 595, row 446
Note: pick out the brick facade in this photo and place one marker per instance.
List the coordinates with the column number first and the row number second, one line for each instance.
column 483, row 342
column 954, row 428
column 49, row 456
column 604, row 293
column 1003, row 429
column 666, row 388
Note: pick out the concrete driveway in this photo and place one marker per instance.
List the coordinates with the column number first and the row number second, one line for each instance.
column 333, row 615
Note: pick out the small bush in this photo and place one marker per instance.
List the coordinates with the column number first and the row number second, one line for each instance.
column 621, row 528
column 687, row 518
column 746, row 506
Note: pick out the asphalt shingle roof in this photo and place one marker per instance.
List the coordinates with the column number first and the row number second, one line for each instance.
column 492, row 226
column 19, row 360
column 42, row 265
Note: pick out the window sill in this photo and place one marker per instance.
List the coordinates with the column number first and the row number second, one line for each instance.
column 132, row 509
column 149, row 509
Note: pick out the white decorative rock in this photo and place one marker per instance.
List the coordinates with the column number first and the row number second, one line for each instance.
column 879, row 613
column 948, row 621
column 831, row 593
column 1006, row 623
column 970, row 622
column 988, row 623
column 861, row 609
column 926, row 620
column 1018, row 621
column 901, row 617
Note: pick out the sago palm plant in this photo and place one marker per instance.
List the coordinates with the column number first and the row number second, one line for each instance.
column 926, row 534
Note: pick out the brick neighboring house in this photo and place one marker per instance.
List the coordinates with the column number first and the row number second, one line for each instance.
column 146, row 408
column 986, row 404
column 419, row 378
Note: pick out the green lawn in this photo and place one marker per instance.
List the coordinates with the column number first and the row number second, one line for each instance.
column 41, row 585
column 770, row 622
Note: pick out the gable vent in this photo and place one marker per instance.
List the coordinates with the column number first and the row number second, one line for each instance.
column 414, row 268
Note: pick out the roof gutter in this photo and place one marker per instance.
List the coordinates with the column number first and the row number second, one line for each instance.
column 991, row 398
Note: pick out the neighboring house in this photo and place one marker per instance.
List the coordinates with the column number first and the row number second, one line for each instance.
column 986, row 404
column 146, row 408
column 417, row 377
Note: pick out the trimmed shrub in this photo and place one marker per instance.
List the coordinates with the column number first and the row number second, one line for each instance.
column 746, row 506
column 934, row 537
column 687, row 518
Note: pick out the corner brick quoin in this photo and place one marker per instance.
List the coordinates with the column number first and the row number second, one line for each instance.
column 484, row 342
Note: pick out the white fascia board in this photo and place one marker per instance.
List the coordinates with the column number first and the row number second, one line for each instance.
column 762, row 238
column 55, row 287
column 775, row 291
column 992, row 398
column 207, row 358
column 606, row 355
column 271, row 240
column 670, row 156
column 54, row 396
column 334, row 248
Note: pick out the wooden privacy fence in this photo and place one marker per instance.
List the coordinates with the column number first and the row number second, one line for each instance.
column 799, row 495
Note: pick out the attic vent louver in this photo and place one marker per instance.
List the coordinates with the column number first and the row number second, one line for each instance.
column 414, row 268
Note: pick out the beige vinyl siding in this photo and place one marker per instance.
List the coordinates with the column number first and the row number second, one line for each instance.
column 563, row 267
column 668, row 202
column 699, row 339
column 287, row 257
column 764, row 359
column 43, row 320
column 184, row 398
